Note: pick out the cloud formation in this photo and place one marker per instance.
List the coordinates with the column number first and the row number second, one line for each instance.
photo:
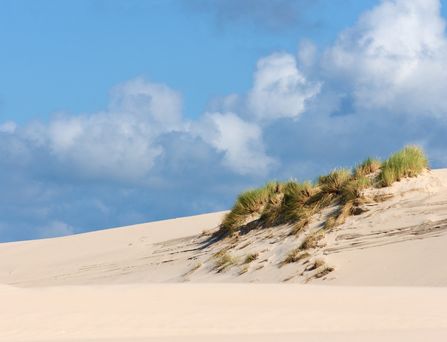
column 394, row 58
column 280, row 90
column 378, row 86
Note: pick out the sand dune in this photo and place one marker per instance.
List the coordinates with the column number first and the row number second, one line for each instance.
column 112, row 285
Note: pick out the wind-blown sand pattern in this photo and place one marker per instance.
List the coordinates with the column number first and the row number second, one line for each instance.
column 111, row 285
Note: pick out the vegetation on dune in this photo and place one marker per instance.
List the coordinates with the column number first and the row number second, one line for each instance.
column 251, row 257
column 223, row 260
column 247, row 204
column 295, row 255
column 409, row 162
column 295, row 203
column 367, row 167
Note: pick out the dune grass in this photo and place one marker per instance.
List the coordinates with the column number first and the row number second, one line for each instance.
column 311, row 240
column 247, row 204
column 251, row 257
column 296, row 203
column 408, row 162
column 295, row 255
column 367, row 167
column 223, row 260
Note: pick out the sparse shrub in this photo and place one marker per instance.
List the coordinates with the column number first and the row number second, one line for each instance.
column 320, row 267
column 330, row 222
column 333, row 182
column 353, row 188
column 251, row 257
column 302, row 222
column 223, row 260
column 248, row 203
column 408, row 162
column 296, row 203
column 295, row 255
column 311, row 241
column 272, row 210
column 367, row 167
column 295, row 197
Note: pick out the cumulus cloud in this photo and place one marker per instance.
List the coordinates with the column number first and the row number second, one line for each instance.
column 240, row 142
column 118, row 143
column 280, row 89
column 394, row 58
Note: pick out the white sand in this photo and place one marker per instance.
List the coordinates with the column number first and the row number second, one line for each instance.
column 123, row 284
column 222, row 312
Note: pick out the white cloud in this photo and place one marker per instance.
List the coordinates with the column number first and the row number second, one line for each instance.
column 118, row 143
column 279, row 89
column 239, row 140
column 151, row 102
column 394, row 58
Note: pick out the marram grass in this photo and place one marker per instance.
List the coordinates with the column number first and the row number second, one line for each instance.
column 296, row 203
column 408, row 162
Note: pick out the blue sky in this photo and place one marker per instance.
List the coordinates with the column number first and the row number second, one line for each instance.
column 67, row 55
column 119, row 112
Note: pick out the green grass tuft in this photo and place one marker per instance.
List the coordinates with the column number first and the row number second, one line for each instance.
column 248, row 203
column 408, row 162
column 353, row 188
column 251, row 257
column 334, row 181
column 223, row 260
column 296, row 203
column 367, row 167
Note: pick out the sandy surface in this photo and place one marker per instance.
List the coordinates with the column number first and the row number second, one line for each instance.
column 161, row 281
column 222, row 312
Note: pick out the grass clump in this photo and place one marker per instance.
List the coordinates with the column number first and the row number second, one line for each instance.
column 296, row 196
column 311, row 241
column 251, row 257
column 248, row 203
column 223, row 260
column 367, row 167
column 295, row 255
column 296, row 203
column 272, row 211
column 408, row 162
column 353, row 188
column 334, row 182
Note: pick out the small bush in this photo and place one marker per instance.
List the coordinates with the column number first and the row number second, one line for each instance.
column 408, row 162
column 367, row 167
column 311, row 241
column 223, row 260
column 272, row 210
column 251, row 257
column 353, row 188
column 248, row 203
column 334, row 181
column 295, row 197
column 295, row 255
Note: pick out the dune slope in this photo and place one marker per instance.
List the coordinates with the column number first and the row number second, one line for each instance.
column 158, row 281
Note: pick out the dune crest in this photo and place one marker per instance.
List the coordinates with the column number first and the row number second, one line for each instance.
column 397, row 241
